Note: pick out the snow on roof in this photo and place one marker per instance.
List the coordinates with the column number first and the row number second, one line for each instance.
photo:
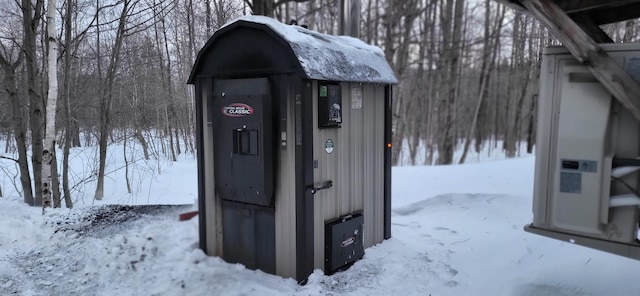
column 329, row 57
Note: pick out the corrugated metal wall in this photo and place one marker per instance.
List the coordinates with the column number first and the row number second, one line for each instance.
column 355, row 165
column 285, row 199
column 212, row 206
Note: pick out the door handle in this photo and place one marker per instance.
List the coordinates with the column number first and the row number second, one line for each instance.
column 326, row 185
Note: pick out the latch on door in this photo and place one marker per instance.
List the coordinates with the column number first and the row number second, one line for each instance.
column 326, row 185
column 245, row 142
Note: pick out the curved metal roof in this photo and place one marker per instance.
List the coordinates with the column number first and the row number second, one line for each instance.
column 321, row 56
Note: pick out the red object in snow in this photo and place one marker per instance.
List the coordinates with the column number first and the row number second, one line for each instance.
column 188, row 215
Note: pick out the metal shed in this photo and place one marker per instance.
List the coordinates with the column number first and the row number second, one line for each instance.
column 294, row 133
column 588, row 146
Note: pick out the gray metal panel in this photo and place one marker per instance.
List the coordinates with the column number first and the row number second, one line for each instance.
column 372, row 127
column 630, row 250
column 249, row 235
column 582, row 126
column 610, row 47
column 285, row 202
column 212, row 223
column 378, row 155
column 356, row 165
column 545, row 139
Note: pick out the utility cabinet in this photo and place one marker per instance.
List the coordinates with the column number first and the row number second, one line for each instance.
column 294, row 147
column 588, row 145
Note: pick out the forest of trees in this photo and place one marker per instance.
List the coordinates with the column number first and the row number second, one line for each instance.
column 468, row 73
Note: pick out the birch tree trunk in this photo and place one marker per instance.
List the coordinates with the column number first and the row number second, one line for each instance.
column 50, row 123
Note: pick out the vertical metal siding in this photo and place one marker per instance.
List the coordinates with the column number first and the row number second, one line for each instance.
column 285, row 202
column 209, row 194
column 305, row 244
column 356, row 166
column 379, row 147
column 202, row 222
column 373, row 129
column 387, row 139
column 369, row 102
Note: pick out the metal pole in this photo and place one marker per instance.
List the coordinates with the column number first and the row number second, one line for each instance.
column 349, row 23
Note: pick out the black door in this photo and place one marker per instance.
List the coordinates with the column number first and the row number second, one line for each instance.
column 243, row 155
column 243, row 140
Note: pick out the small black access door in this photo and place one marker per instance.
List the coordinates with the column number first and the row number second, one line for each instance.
column 243, row 163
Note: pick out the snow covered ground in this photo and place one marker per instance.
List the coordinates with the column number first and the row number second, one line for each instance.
column 456, row 230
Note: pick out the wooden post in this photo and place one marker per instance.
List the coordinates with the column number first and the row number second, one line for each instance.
column 612, row 76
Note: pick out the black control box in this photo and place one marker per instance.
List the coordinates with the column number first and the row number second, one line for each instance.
column 344, row 242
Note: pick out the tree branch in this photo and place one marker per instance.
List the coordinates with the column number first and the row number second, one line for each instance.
column 287, row 1
column 8, row 158
column 249, row 4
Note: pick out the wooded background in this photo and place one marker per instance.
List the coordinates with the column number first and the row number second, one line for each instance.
column 468, row 73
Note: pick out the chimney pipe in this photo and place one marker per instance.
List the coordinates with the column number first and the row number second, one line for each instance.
column 349, row 18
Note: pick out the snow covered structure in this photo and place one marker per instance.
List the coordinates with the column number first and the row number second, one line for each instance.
column 294, row 154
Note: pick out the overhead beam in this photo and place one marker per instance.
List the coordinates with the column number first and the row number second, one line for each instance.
column 611, row 14
column 613, row 77
column 513, row 4
column 582, row 5
column 601, row 11
column 592, row 29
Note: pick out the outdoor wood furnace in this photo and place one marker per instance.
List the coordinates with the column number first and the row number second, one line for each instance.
column 294, row 153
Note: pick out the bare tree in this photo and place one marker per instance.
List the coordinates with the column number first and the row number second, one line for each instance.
column 68, row 17
column 31, row 17
column 519, row 85
column 451, row 22
column 490, row 50
column 399, row 24
column 106, row 95
column 267, row 7
column 9, row 85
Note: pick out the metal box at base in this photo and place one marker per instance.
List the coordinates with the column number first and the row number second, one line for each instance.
column 343, row 242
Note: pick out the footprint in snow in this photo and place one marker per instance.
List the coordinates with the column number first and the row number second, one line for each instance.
column 451, row 231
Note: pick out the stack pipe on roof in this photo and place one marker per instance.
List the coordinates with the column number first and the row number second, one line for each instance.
column 349, row 18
